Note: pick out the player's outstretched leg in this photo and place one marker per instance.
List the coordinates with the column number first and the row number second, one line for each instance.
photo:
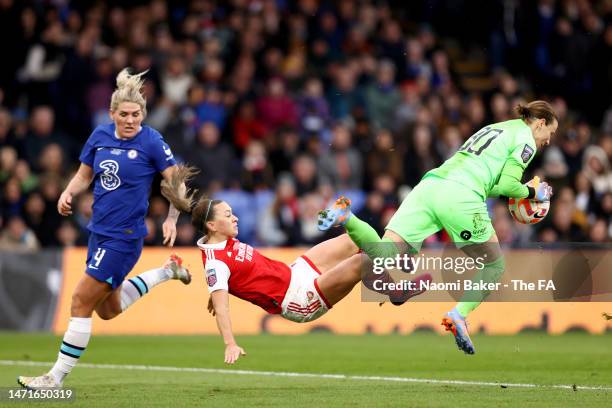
column 419, row 286
column 337, row 214
column 456, row 324
column 134, row 288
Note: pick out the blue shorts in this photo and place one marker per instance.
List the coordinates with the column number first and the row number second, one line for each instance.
column 111, row 259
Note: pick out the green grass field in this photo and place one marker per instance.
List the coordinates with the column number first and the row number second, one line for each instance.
column 537, row 359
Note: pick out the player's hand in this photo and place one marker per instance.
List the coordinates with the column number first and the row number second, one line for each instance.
column 64, row 204
column 543, row 191
column 211, row 307
column 169, row 231
column 232, row 353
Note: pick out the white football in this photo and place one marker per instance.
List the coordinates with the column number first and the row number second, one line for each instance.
column 528, row 210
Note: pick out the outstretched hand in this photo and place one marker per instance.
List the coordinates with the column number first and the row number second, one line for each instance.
column 169, row 231
column 233, row 352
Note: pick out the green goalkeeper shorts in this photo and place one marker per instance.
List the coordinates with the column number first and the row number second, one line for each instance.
column 436, row 204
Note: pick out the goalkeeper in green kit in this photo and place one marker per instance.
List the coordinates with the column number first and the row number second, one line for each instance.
column 452, row 197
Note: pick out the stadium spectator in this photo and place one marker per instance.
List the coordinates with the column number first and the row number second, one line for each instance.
column 43, row 133
column 246, row 126
column 256, row 172
column 213, row 157
column 342, row 165
column 596, row 168
column 17, row 236
column 384, row 158
column 279, row 223
column 382, row 96
column 304, row 170
column 276, row 108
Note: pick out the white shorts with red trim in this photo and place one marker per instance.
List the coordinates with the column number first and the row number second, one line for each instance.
column 303, row 301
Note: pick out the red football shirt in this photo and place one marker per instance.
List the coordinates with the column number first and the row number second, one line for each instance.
column 245, row 273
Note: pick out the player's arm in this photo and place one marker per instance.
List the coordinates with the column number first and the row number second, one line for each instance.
column 220, row 304
column 78, row 184
column 174, row 189
column 509, row 184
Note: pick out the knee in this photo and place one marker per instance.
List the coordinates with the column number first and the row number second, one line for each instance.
column 108, row 309
column 106, row 314
column 348, row 245
column 357, row 264
column 79, row 305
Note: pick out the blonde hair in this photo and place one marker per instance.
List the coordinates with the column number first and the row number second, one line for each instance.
column 129, row 89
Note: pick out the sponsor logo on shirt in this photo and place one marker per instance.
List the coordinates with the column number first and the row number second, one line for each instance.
column 244, row 252
column 211, row 277
column 465, row 234
column 527, row 153
column 116, row 152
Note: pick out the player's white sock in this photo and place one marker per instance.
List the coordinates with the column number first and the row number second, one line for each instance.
column 73, row 345
column 134, row 288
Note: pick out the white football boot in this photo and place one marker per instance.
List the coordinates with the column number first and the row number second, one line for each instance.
column 43, row 382
column 175, row 265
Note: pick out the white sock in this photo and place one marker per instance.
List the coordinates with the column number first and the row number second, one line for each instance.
column 134, row 288
column 73, row 345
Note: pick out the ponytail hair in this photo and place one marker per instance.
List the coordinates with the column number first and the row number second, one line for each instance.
column 182, row 198
column 129, row 89
column 175, row 189
column 537, row 110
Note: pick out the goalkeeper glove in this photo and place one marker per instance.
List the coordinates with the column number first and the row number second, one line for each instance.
column 539, row 190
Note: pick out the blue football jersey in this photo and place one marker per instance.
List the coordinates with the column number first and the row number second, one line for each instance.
column 123, row 173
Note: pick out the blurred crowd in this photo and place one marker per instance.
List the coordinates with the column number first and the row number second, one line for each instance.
column 282, row 105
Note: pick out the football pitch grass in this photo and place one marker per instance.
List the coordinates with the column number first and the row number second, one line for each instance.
column 324, row 370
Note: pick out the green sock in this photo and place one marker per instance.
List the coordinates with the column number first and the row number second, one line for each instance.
column 464, row 308
column 470, row 300
column 367, row 239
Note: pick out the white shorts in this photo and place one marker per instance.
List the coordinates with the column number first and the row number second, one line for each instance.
column 304, row 301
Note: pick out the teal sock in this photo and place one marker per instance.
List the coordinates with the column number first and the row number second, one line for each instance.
column 470, row 300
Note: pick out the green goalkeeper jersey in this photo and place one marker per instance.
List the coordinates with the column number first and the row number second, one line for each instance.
column 479, row 162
